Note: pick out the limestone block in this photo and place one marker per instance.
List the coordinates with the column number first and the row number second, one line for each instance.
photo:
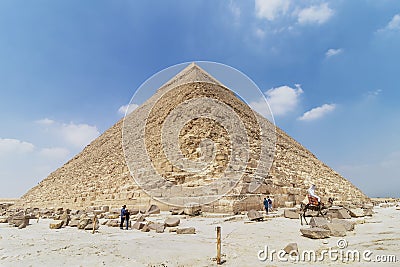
column 153, row 209
column 254, row 215
column 358, row 212
column 318, row 222
column 291, row 249
column 343, row 214
column 3, row 219
column 187, row 230
column 56, row 225
column 291, row 214
column 315, row 232
column 348, row 225
column 138, row 225
column 336, row 229
column 172, row 222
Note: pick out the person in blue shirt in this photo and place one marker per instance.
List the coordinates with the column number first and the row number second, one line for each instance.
column 123, row 213
column 266, row 205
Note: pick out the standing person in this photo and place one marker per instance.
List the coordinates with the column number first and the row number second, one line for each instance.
column 123, row 211
column 127, row 218
column 266, row 204
column 269, row 203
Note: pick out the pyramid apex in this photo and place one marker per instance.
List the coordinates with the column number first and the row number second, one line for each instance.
column 191, row 73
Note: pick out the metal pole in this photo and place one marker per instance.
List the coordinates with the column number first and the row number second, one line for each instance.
column 218, row 245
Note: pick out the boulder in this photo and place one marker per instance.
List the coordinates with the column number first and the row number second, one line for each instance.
column 177, row 212
column 133, row 211
column 138, row 225
column 254, row 215
column 65, row 218
column 291, row 249
column 343, row 214
column 187, row 230
column 3, row 219
column 192, row 210
column 315, row 232
column 153, row 209
column 56, row 225
column 112, row 216
column 160, row 228
column 23, row 225
column 18, row 220
column 318, row 222
column 291, row 214
column 336, row 229
column 172, row 222
column 90, row 226
column 74, row 223
column 358, row 212
column 83, row 222
column 153, row 225
column 368, row 212
column 141, row 218
column 145, row 228
column 348, row 225
column 113, row 223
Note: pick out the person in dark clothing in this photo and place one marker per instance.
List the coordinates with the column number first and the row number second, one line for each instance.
column 127, row 218
column 123, row 212
column 266, row 204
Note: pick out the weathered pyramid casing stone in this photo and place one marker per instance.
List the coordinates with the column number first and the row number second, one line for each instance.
column 315, row 232
column 99, row 175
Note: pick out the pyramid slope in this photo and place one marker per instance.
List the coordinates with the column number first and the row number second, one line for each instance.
column 99, row 174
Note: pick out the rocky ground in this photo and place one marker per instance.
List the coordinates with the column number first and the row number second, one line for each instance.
column 243, row 241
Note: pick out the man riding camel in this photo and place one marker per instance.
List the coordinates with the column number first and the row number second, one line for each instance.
column 313, row 199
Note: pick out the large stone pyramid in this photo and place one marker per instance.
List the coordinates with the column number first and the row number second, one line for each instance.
column 165, row 139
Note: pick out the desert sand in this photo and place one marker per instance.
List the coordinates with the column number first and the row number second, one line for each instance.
column 37, row 245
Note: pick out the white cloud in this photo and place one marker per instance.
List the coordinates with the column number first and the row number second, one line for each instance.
column 78, row 135
column 8, row 146
column 333, row 52
column 260, row 33
column 261, row 106
column 315, row 14
column 130, row 107
column 235, row 10
column 283, row 99
column 45, row 121
column 318, row 112
column 270, row 9
column 394, row 24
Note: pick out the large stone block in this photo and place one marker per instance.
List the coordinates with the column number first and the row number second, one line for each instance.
column 318, row 222
column 336, row 229
column 187, row 230
column 56, row 225
column 172, row 222
column 291, row 214
column 254, row 215
column 315, row 232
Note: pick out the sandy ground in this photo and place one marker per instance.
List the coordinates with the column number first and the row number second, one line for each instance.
column 37, row 245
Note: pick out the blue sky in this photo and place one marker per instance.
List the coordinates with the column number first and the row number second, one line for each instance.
column 330, row 70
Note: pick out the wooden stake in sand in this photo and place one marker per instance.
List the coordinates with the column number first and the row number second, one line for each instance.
column 94, row 223
column 218, row 245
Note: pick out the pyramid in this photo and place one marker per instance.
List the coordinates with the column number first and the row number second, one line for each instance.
column 193, row 141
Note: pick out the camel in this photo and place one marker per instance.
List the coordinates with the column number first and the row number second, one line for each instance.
column 321, row 208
